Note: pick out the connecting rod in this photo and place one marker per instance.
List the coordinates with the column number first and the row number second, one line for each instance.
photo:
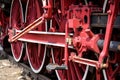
column 27, row 29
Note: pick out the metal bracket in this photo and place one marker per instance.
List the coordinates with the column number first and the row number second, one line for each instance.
column 52, row 66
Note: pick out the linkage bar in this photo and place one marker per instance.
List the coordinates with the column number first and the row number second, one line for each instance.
column 27, row 29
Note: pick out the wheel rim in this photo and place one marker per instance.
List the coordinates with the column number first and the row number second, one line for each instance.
column 16, row 20
column 36, row 52
column 36, row 56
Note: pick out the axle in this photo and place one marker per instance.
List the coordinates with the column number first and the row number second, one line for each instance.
column 114, row 45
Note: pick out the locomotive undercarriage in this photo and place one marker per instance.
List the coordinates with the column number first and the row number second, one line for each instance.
column 82, row 37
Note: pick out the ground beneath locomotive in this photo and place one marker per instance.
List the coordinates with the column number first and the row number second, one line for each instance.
column 10, row 71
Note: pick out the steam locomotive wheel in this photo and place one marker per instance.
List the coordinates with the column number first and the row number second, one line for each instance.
column 16, row 20
column 36, row 52
column 74, row 71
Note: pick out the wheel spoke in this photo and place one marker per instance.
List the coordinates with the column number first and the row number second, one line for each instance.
column 104, row 74
column 86, row 72
column 36, row 62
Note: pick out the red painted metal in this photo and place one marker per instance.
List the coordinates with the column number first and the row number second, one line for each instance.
column 84, row 39
column 112, row 14
column 80, row 13
column 49, row 9
column 36, row 53
column 44, row 38
column 65, row 26
column 66, row 45
column 16, row 20
column 26, row 30
column 74, row 72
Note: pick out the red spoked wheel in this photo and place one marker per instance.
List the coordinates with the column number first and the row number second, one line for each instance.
column 36, row 52
column 16, row 20
column 74, row 72
column 79, row 71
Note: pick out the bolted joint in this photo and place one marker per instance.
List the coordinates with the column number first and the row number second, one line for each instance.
column 11, row 33
column 109, row 12
column 77, row 41
column 103, row 65
column 69, row 41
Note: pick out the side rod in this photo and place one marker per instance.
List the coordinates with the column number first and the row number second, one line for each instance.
column 27, row 29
